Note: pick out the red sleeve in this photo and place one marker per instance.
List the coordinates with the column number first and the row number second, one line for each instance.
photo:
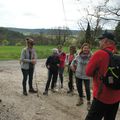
column 94, row 64
column 62, row 58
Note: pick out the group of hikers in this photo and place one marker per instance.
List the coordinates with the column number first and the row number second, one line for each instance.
column 85, row 66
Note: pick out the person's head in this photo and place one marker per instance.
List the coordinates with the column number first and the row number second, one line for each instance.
column 29, row 42
column 107, row 39
column 72, row 49
column 59, row 48
column 55, row 51
column 85, row 48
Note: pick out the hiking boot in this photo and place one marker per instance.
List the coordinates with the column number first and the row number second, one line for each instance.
column 69, row 92
column 53, row 90
column 80, row 102
column 45, row 93
column 88, row 105
column 32, row 91
column 61, row 85
column 25, row 93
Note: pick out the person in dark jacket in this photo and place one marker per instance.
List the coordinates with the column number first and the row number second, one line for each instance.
column 69, row 59
column 52, row 64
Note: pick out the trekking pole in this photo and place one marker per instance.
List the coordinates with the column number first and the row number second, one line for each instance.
column 36, row 84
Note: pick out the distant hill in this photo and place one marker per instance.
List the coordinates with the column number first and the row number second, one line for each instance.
column 12, row 36
column 38, row 31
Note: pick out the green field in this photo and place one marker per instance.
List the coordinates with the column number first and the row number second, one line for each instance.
column 13, row 52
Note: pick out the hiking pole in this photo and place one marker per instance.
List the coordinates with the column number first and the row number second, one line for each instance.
column 35, row 76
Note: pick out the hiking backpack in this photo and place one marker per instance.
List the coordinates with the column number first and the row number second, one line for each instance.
column 112, row 77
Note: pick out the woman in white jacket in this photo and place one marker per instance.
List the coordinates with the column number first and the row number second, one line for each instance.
column 78, row 65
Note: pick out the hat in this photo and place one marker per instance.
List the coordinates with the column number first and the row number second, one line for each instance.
column 107, row 35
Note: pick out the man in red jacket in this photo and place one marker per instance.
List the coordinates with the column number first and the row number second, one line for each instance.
column 105, row 100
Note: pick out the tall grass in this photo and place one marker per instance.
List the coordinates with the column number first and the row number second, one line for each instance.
column 13, row 52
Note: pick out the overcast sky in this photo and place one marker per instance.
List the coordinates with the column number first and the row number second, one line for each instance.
column 43, row 13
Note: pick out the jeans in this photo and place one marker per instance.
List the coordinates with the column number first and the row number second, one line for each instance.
column 100, row 110
column 60, row 72
column 70, row 83
column 52, row 75
column 80, row 87
column 27, row 73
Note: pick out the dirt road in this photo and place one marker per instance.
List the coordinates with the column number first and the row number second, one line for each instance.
column 55, row 106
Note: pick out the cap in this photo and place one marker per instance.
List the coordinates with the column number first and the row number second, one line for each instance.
column 107, row 35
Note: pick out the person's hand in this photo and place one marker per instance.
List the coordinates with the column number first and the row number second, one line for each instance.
column 58, row 65
column 48, row 66
column 73, row 68
column 33, row 61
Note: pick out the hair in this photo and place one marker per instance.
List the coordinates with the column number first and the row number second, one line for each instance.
column 30, row 41
column 84, row 44
column 59, row 46
column 110, row 41
column 55, row 50
column 73, row 48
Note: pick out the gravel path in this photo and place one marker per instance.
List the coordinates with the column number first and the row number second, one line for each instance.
column 55, row 106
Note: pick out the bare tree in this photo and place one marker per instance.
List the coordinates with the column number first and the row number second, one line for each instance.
column 109, row 12
column 62, row 33
column 94, row 20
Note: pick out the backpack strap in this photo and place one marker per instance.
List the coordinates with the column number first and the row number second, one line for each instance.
column 110, row 54
column 108, row 51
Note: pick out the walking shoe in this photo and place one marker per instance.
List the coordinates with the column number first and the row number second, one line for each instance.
column 25, row 93
column 88, row 105
column 80, row 102
column 69, row 92
column 32, row 91
column 45, row 93
column 61, row 85
column 53, row 90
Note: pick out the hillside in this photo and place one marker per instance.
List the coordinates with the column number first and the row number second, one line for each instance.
column 39, row 31
column 9, row 35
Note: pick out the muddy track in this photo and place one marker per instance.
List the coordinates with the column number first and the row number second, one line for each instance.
column 55, row 106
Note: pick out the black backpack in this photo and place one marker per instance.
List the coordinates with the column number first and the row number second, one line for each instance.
column 112, row 78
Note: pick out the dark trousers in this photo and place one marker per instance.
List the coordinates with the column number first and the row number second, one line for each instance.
column 26, row 74
column 52, row 75
column 80, row 87
column 60, row 72
column 70, row 83
column 100, row 110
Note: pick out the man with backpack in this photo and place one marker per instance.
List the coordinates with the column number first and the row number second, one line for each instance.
column 105, row 99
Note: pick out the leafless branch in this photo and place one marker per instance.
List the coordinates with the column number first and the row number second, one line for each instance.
column 114, row 11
